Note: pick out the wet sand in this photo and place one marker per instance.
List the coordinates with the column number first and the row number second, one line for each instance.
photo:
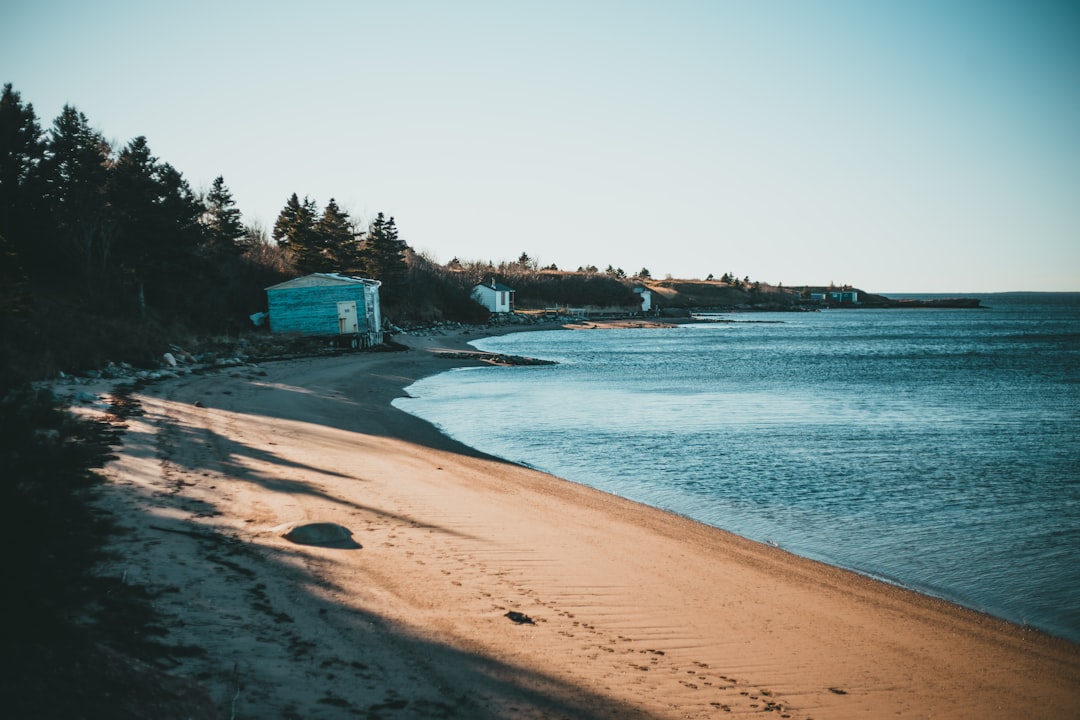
column 472, row 587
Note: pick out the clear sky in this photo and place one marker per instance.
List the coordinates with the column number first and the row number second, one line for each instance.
column 897, row 145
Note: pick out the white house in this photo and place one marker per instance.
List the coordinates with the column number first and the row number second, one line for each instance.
column 497, row 298
column 646, row 299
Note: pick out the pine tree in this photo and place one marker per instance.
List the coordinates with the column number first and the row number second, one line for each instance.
column 294, row 230
column 22, row 149
column 224, row 230
column 133, row 193
column 179, row 212
column 289, row 222
column 75, row 174
column 336, row 236
column 158, row 233
column 383, row 258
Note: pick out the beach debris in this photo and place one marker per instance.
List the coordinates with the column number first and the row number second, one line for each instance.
column 838, row 691
column 321, row 534
column 520, row 618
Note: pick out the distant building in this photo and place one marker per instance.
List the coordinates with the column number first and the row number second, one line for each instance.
column 844, row 296
column 848, row 297
column 327, row 304
column 646, row 299
column 497, row 298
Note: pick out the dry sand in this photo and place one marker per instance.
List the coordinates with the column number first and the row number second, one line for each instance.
column 476, row 588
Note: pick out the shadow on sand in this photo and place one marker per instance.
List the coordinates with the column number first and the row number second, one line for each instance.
column 356, row 663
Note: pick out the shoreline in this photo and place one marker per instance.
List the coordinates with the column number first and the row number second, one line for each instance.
column 482, row 588
column 929, row 592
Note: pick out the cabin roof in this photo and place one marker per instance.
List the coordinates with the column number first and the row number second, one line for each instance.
column 494, row 286
column 324, row 279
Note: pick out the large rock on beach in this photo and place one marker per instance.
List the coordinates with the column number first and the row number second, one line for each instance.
column 321, row 534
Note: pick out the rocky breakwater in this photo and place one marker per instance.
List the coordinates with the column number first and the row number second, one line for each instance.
column 935, row 303
column 493, row 358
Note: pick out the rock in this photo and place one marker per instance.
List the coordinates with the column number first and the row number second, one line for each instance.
column 170, row 360
column 113, row 371
column 519, row 618
column 322, row 535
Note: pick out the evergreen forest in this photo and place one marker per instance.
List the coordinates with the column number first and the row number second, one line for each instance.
column 108, row 254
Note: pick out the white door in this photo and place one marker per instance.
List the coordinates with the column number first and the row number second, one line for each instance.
column 371, row 311
column 346, row 317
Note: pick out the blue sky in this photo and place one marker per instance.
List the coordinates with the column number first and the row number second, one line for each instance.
column 913, row 145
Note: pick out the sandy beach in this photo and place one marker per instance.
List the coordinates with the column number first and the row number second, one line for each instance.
column 474, row 588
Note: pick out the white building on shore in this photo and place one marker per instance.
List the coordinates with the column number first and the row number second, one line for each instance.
column 497, row 298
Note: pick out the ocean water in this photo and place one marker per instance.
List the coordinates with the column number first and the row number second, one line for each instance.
column 934, row 449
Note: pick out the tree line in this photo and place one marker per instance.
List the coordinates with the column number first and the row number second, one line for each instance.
column 106, row 251
column 127, row 226
column 96, row 236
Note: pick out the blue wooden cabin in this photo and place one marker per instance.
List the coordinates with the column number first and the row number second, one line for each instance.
column 327, row 304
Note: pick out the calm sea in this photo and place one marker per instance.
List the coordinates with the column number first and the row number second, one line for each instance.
column 934, row 449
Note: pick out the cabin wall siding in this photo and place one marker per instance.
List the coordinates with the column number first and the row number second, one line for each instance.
column 496, row 300
column 313, row 310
